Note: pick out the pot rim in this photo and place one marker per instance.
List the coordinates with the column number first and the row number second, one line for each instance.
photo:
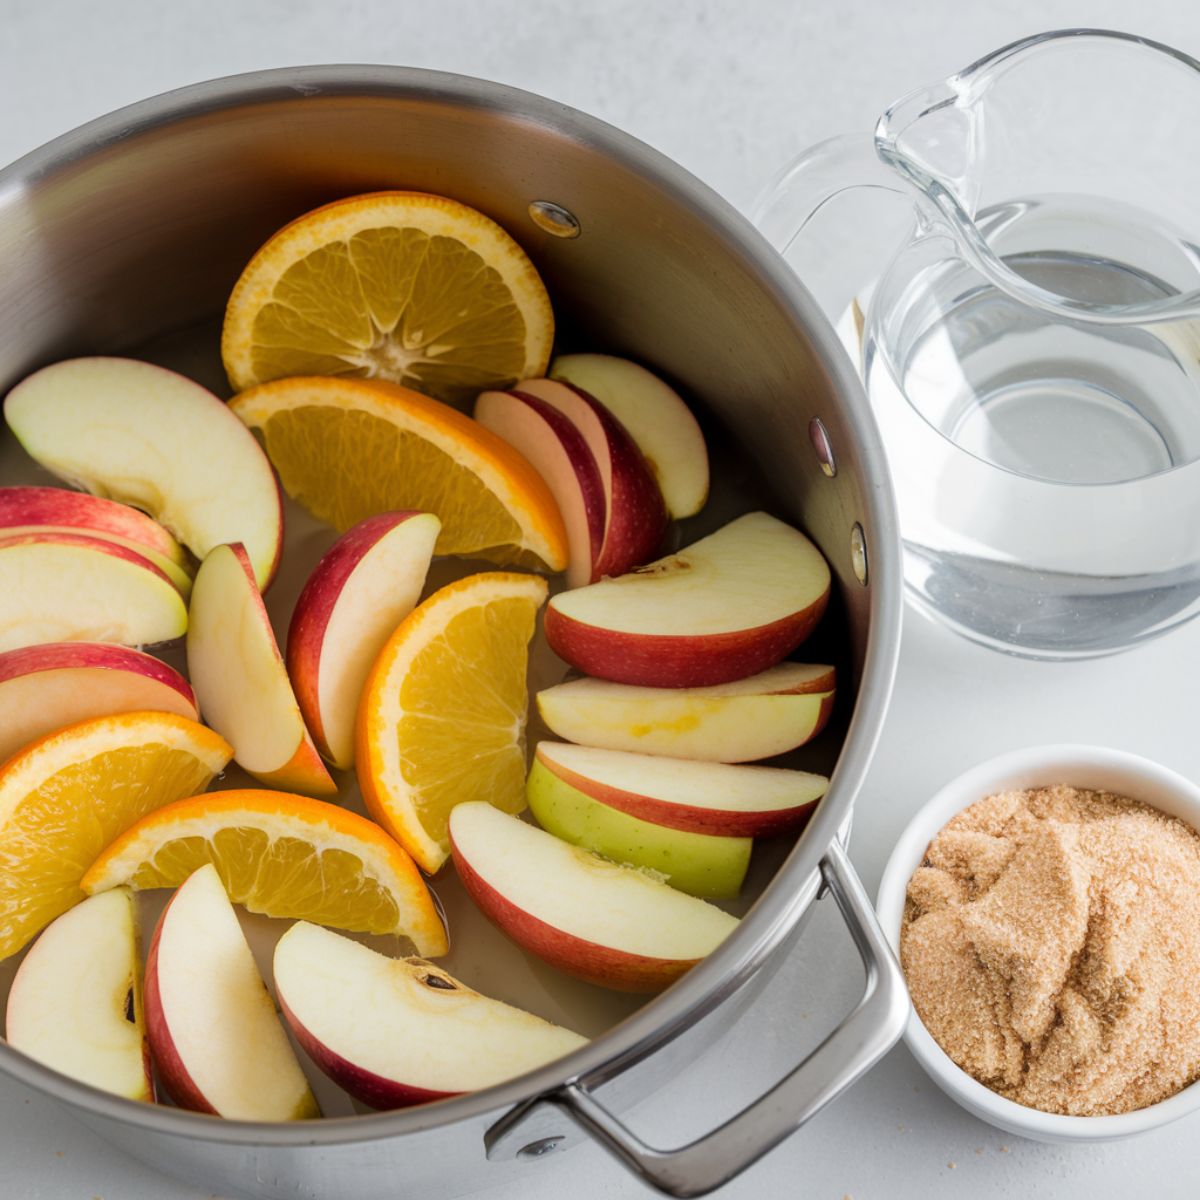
column 775, row 913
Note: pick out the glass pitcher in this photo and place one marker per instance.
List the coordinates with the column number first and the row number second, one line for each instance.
column 1013, row 262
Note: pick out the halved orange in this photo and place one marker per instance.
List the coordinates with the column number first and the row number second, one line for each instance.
column 404, row 286
column 442, row 716
column 348, row 449
column 281, row 855
column 64, row 798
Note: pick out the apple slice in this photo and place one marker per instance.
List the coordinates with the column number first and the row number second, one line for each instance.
column 367, row 583
column 730, row 605
column 215, row 1038
column 393, row 1031
column 60, row 587
column 702, row 864
column 600, row 921
column 635, row 517
column 158, row 441
column 48, row 687
column 79, row 512
column 680, row 793
column 180, row 579
column 559, row 454
column 742, row 721
column 76, row 1000
column 240, row 680
column 656, row 418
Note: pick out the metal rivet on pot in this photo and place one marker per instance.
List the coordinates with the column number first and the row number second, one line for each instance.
column 819, row 437
column 858, row 553
column 554, row 219
column 540, row 1148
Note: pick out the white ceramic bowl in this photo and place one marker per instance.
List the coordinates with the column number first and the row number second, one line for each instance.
column 1038, row 766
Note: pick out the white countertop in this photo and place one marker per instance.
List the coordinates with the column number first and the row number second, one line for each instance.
column 731, row 90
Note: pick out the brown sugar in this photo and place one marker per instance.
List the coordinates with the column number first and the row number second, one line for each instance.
column 1051, row 942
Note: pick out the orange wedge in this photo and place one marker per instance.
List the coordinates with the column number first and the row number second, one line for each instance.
column 64, row 798
column 404, row 286
column 348, row 449
column 281, row 855
column 442, row 716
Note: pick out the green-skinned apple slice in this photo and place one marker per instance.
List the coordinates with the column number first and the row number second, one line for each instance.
column 701, row 864
column 698, row 797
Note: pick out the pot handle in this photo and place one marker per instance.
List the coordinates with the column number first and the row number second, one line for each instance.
column 851, row 1050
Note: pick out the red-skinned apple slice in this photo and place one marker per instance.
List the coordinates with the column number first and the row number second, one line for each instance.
column 58, row 508
column 657, row 419
column 49, row 686
column 215, row 1038
column 59, row 587
column 697, row 797
column 240, row 681
column 154, row 439
column 606, row 923
column 561, row 456
column 180, row 579
column 635, row 517
column 742, row 721
column 366, row 584
column 76, row 1000
column 728, row 606
column 394, row 1032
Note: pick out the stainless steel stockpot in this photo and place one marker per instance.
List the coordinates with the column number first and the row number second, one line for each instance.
column 137, row 224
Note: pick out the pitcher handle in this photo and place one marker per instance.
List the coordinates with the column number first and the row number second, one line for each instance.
column 857, row 1044
column 837, row 269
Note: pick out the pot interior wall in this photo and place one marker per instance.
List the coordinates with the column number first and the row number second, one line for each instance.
column 134, row 246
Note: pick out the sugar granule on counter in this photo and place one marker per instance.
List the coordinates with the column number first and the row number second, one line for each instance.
column 1051, row 942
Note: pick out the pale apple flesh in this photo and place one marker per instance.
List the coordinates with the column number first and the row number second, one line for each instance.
column 600, row 921
column 64, row 587
column 742, row 721
column 47, row 687
column 76, row 1001
column 396, row 1032
column 701, row 864
column 240, row 681
column 635, row 516
column 728, row 606
column 215, row 1038
column 656, row 417
column 699, row 797
column 561, row 456
column 153, row 439
column 363, row 587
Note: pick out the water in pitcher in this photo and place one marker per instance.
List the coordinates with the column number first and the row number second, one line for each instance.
column 1047, row 470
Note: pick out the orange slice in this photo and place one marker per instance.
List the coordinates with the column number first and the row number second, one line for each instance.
column 281, row 855
column 442, row 716
column 404, row 286
column 348, row 449
column 64, row 798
